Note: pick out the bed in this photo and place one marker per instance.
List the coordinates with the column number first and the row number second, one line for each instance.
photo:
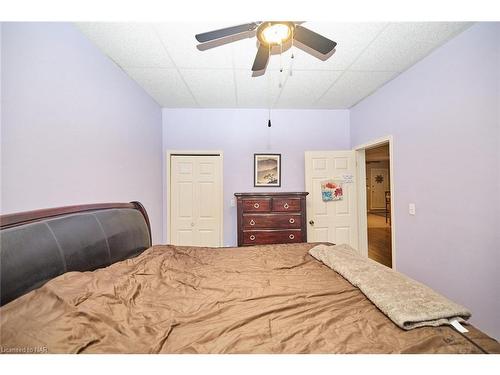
column 85, row 279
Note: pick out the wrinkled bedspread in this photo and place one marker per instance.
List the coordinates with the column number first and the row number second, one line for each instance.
column 262, row 299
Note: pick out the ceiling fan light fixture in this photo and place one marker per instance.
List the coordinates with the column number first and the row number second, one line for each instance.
column 276, row 33
column 273, row 37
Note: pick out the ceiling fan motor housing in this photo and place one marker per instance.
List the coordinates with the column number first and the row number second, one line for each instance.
column 267, row 26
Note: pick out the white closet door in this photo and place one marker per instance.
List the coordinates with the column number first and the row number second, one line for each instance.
column 196, row 200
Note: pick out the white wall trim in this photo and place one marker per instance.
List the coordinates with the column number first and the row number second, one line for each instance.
column 166, row 190
column 361, row 188
column 362, row 209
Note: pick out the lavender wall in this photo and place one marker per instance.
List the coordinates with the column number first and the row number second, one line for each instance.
column 240, row 133
column 444, row 116
column 75, row 128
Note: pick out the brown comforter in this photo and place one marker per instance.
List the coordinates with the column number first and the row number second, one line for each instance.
column 265, row 299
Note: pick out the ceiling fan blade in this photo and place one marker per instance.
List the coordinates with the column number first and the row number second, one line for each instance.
column 228, row 31
column 261, row 58
column 313, row 40
column 226, row 40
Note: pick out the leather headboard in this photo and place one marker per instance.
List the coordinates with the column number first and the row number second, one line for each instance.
column 37, row 246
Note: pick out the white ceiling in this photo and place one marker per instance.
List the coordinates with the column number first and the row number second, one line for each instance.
column 164, row 60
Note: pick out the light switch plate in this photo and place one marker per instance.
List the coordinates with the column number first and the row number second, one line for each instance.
column 411, row 208
column 233, row 202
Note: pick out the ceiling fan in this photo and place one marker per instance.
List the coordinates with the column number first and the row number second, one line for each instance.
column 273, row 37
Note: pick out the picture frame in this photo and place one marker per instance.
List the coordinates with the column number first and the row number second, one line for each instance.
column 267, row 170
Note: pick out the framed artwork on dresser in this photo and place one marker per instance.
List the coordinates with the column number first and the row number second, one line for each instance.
column 267, row 170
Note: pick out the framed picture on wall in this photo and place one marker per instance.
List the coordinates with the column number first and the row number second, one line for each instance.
column 267, row 170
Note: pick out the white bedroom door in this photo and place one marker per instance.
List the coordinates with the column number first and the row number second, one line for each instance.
column 331, row 221
column 379, row 184
column 195, row 200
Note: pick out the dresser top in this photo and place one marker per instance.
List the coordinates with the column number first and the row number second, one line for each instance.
column 273, row 194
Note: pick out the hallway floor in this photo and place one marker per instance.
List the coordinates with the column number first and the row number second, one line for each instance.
column 379, row 239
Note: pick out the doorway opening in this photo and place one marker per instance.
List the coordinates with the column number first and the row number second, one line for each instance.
column 375, row 187
column 378, row 203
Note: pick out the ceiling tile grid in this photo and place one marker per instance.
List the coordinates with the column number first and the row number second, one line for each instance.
column 211, row 87
column 163, row 58
column 352, row 86
column 304, row 87
column 165, row 85
column 257, row 92
column 400, row 45
column 132, row 45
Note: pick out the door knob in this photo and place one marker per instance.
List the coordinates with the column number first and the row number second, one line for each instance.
column 311, row 222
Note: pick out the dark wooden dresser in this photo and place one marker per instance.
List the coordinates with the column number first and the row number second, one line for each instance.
column 271, row 218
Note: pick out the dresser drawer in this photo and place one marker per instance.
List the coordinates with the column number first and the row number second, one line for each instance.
column 278, row 221
column 257, row 237
column 286, row 204
column 256, row 205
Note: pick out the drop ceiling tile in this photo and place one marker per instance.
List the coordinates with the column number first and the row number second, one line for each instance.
column 211, row 87
column 165, row 85
column 256, row 92
column 351, row 39
column 304, row 87
column 432, row 32
column 179, row 40
column 401, row 45
column 128, row 44
column 351, row 87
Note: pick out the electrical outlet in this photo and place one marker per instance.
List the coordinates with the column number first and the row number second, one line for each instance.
column 233, row 202
column 411, row 208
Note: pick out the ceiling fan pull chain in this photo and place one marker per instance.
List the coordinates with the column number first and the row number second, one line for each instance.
column 292, row 57
column 269, row 96
column 280, row 85
column 281, row 59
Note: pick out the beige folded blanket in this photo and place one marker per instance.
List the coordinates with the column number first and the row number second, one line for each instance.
column 406, row 302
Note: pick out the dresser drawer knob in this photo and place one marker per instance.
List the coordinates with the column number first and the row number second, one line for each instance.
column 286, row 206
column 291, row 236
column 292, row 220
column 252, row 237
column 252, row 222
column 256, row 205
